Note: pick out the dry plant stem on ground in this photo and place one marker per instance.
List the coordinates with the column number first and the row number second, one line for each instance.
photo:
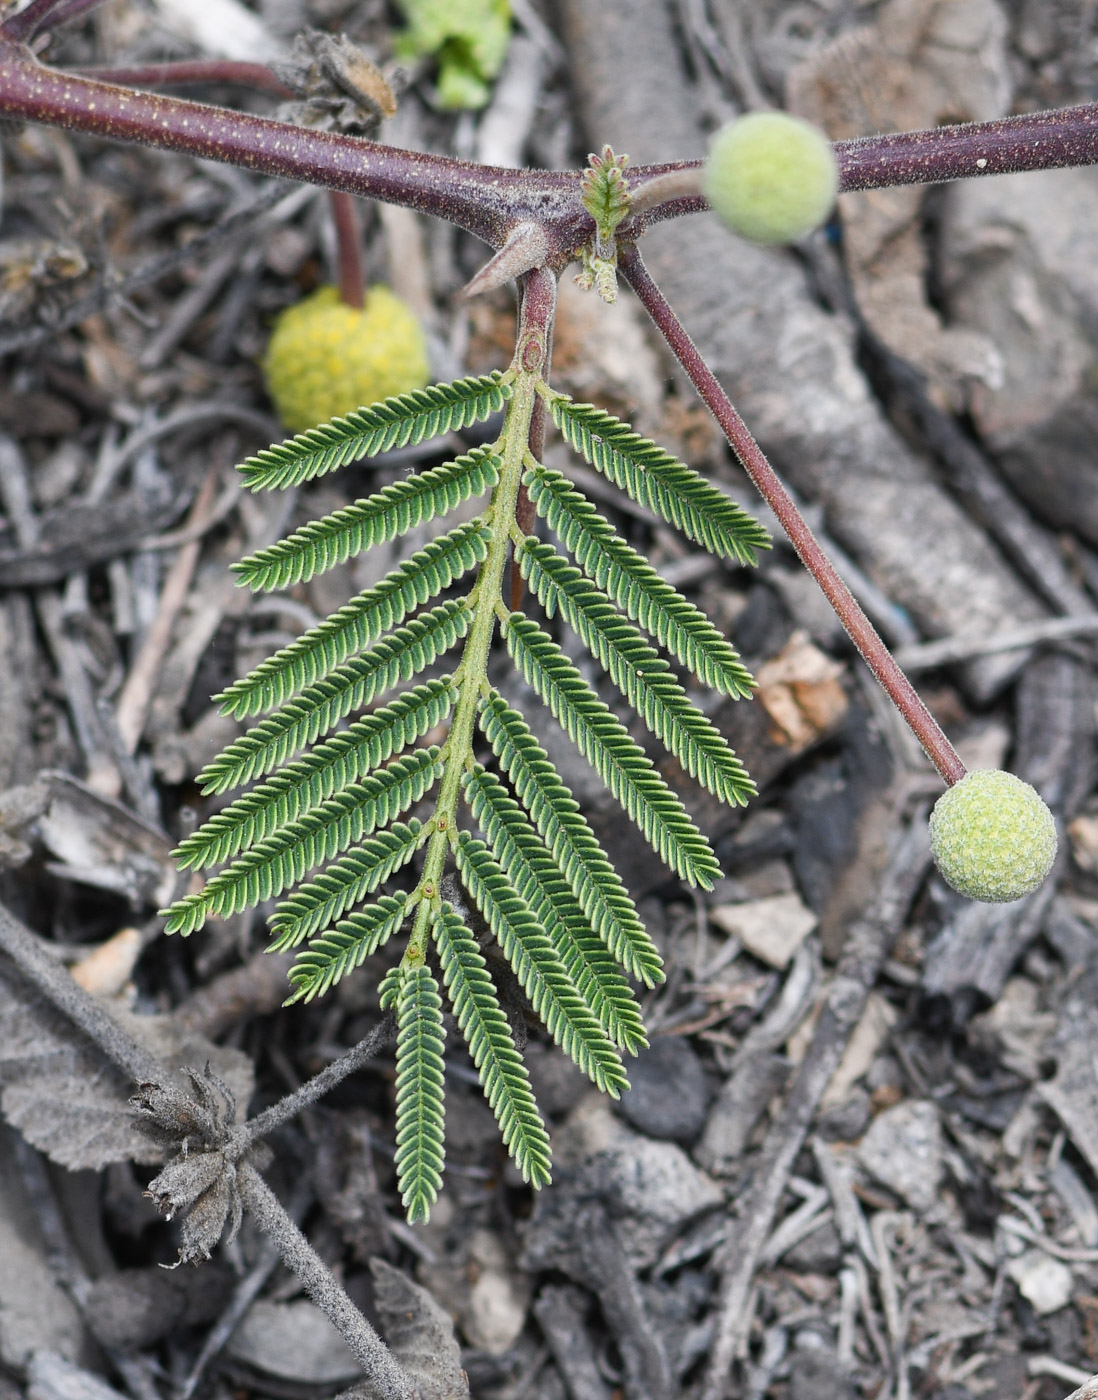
column 53, row 980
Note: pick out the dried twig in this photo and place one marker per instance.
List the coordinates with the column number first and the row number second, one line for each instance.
column 868, row 943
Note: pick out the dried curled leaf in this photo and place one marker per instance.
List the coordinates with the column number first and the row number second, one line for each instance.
column 420, row 1333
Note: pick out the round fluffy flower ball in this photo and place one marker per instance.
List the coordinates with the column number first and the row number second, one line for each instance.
column 771, row 177
column 993, row 836
column 325, row 358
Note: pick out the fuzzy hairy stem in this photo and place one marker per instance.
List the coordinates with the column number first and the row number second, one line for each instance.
column 54, row 981
column 386, row 1376
column 858, row 627
column 1050, row 140
column 487, row 201
column 320, row 1084
column 186, row 72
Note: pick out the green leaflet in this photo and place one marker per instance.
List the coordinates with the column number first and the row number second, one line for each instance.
column 344, row 883
column 659, row 481
column 603, row 741
column 322, row 544
column 536, row 878
column 281, row 859
column 499, row 1065
column 530, row 951
column 327, row 770
column 320, row 706
column 639, row 672
column 413, row 993
column 345, row 947
column 636, row 587
column 367, row 432
column 360, row 622
column 594, row 882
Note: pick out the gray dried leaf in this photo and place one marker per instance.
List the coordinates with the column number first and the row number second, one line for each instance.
column 420, row 1334
column 137, row 1307
column 62, row 1095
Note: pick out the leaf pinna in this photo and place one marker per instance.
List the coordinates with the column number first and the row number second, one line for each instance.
column 370, row 786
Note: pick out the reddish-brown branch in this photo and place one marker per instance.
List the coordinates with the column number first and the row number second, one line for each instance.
column 348, row 227
column 858, row 627
column 1009, row 145
column 486, row 200
column 189, row 72
column 345, row 217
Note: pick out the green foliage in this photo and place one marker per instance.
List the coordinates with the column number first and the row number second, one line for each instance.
column 398, row 422
column 635, row 586
column 619, row 761
column 643, row 677
column 604, row 190
column 320, row 706
column 594, row 882
column 349, row 791
column 515, row 899
column 653, row 478
column 484, row 1026
column 390, row 512
column 345, row 946
column 363, row 620
column 413, row 994
column 469, row 38
column 343, row 883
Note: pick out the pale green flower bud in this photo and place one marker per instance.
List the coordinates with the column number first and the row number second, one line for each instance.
column 993, row 836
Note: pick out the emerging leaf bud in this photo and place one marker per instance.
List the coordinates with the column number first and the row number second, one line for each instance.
column 771, row 177
column 993, row 836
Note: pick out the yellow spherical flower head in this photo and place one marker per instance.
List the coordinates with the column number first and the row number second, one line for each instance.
column 771, row 177
column 326, row 358
column 993, row 836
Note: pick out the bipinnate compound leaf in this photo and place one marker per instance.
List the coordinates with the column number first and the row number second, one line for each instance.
column 288, row 853
column 635, row 586
column 332, row 540
column 346, row 946
column 413, row 994
column 355, row 788
column 541, row 974
column 639, row 672
column 593, row 881
column 353, row 627
column 397, row 422
column 500, row 1067
column 653, row 478
column 620, row 762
